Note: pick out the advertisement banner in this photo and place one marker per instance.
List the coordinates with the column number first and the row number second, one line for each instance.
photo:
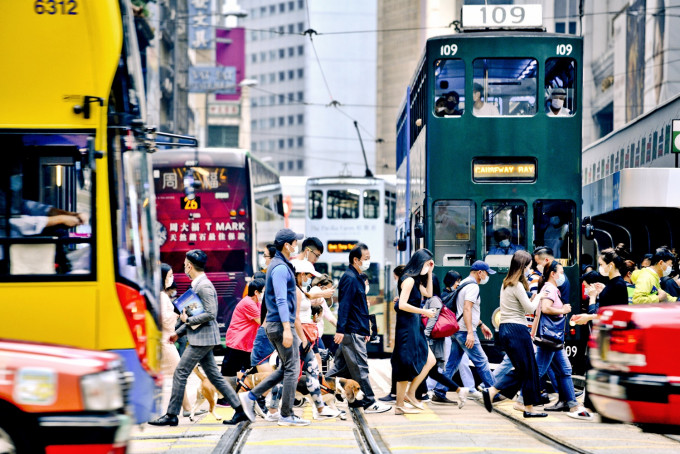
column 230, row 50
column 212, row 79
column 201, row 34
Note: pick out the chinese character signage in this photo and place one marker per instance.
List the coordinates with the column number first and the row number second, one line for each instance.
column 201, row 32
column 230, row 50
column 211, row 79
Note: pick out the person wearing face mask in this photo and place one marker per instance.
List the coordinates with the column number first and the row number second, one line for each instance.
column 169, row 354
column 503, row 244
column 267, row 256
column 311, row 250
column 280, row 297
column 551, row 306
column 203, row 335
column 556, row 107
column 466, row 340
column 543, row 256
column 648, row 281
column 555, row 234
column 353, row 329
column 447, row 105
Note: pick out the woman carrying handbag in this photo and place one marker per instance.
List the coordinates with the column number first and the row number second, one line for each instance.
column 549, row 347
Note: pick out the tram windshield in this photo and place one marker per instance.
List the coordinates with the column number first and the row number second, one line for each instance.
column 505, row 86
column 554, row 222
column 504, row 230
column 342, row 204
column 454, row 231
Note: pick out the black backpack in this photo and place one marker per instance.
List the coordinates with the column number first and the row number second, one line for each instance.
column 450, row 299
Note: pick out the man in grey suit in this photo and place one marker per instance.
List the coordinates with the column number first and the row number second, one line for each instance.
column 203, row 334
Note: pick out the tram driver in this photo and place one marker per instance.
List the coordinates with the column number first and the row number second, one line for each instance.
column 556, row 107
column 504, row 245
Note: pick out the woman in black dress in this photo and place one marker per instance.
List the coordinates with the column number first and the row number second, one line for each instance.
column 412, row 358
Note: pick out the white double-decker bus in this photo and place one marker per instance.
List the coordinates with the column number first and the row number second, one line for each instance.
column 344, row 211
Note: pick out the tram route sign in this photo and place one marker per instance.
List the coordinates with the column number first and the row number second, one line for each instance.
column 675, row 141
column 502, row 16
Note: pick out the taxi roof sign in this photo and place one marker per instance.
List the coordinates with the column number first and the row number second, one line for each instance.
column 502, row 16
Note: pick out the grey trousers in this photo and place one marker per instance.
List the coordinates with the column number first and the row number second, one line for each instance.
column 289, row 370
column 352, row 357
column 202, row 355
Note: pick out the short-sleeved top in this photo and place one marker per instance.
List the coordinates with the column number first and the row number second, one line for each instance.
column 549, row 291
column 305, row 310
column 469, row 293
column 614, row 292
column 243, row 328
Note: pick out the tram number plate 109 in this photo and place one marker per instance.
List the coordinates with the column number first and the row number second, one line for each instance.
column 502, row 16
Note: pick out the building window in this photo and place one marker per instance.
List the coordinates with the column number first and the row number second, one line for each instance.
column 291, row 120
column 300, row 141
column 272, row 122
column 291, row 6
column 566, row 14
column 282, row 53
column 281, row 167
column 282, row 121
column 300, row 119
column 291, row 51
column 300, row 73
column 291, row 165
column 282, row 30
column 253, row 146
column 301, row 4
column 300, row 96
column 282, row 76
column 291, row 29
column 282, row 144
column 263, row 56
column 272, row 54
column 272, row 78
column 222, row 136
column 272, row 100
column 301, row 27
column 291, row 75
column 300, row 164
column 301, row 50
column 282, row 99
column 253, row 124
column 272, row 9
column 291, row 143
column 263, row 10
column 282, row 7
column 253, row 58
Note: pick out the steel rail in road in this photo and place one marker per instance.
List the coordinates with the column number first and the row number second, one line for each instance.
column 369, row 443
column 232, row 441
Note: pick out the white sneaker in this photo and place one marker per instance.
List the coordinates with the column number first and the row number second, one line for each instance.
column 326, row 413
column 580, row 413
column 248, row 405
column 476, row 395
column 462, row 396
column 258, row 410
column 293, row 420
column 273, row 417
column 377, row 408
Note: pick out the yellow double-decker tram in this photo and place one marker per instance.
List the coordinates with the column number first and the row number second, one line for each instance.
column 78, row 255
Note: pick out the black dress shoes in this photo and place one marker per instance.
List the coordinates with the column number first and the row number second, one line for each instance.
column 559, row 406
column 534, row 414
column 545, row 399
column 487, row 400
column 237, row 418
column 165, row 420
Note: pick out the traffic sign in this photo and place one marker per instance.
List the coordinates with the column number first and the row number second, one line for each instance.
column 675, row 144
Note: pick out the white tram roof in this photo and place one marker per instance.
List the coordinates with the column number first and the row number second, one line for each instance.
column 352, row 181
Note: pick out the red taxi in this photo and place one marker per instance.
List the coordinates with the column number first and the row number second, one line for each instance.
column 636, row 371
column 57, row 399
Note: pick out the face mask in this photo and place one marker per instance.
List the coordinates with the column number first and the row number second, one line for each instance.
column 505, row 243
column 168, row 281
column 602, row 271
column 557, row 103
column 307, row 282
column 560, row 280
column 485, row 280
column 555, row 221
column 451, row 105
column 263, row 262
column 293, row 250
column 365, row 264
column 667, row 271
column 173, row 293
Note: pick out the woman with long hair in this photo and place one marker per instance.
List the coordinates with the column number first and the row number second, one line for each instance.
column 412, row 358
column 516, row 339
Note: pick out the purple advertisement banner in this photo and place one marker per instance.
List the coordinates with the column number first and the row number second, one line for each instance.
column 230, row 50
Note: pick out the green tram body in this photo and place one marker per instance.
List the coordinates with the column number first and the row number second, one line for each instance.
column 435, row 158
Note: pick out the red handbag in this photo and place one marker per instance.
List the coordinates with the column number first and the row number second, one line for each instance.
column 446, row 324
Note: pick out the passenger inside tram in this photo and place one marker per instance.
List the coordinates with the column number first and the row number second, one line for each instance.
column 481, row 108
column 504, row 244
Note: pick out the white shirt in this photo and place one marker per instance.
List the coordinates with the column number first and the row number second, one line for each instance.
column 563, row 112
column 469, row 293
column 487, row 110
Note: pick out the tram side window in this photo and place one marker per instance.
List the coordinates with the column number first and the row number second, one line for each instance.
column 46, row 204
column 454, row 232
column 342, row 204
column 560, row 87
column 371, row 204
column 315, row 204
column 449, row 88
column 390, row 207
column 504, row 86
column 505, row 230
column 554, row 226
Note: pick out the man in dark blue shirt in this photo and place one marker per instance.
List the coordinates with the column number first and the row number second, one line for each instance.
column 352, row 331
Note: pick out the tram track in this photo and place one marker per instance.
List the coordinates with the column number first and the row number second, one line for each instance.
column 233, row 441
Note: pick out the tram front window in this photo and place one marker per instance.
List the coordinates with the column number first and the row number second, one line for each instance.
column 560, row 87
column 342, row 204
column 315, row 204
column 46, row 205
column 449, row 89
column 504, row 230
column 506, row 86
column 454, row 231
column 371, row 204
column 554, row 222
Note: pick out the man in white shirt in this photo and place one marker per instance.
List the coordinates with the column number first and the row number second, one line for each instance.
column 466, row 340
column 479, row 107
column 556, row 108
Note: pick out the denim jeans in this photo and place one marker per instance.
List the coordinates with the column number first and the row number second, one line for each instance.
column 503, row 368
column 562, row 369
column 477, row 356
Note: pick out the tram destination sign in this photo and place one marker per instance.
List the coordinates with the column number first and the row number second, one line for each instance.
column 502, row 16
column 500, row 170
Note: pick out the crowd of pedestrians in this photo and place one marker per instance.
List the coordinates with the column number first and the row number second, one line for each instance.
column 285, row 305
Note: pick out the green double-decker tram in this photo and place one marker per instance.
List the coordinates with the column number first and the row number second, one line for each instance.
column 489, row 157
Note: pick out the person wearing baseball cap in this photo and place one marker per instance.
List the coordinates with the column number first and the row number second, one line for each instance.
column 466, row 340
column 556, row 107
column 280, row 298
